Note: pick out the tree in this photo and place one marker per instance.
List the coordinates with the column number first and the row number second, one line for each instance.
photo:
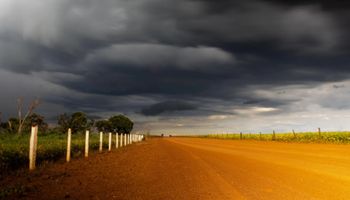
column 64, row 122
column 121, row 124
column 103, row 126
column 13, row 124
column 22, row 120
column 35, row 120
column 78, row 122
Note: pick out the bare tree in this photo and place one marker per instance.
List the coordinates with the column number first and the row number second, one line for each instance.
column 31, row 107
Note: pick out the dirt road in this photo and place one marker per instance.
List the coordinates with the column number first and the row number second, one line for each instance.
column 193, row 168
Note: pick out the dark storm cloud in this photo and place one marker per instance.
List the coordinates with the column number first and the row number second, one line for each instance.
column 335, row 4
column 167, row 106
column 107, row 52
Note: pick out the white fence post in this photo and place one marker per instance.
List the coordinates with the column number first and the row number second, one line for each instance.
column 33, row 147
column 86, row 143
column 101, row 141
column 121, row 140
column 69, row 143
column 124, row 139
column 116, row 141
column 109, row 141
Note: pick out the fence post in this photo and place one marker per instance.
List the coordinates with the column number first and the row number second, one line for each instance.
column 101, row 141
column 240, row 136
column 319, row 132
column 33, row 147
column 259, row 135
column 295, row 135
column 69, row 143
column 124, row 139
column 109, row 141
column 116, row 141
column 273, row 135
column 87, row 143
column 121, row 140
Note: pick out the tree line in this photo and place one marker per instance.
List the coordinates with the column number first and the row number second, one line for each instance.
column 78, row 122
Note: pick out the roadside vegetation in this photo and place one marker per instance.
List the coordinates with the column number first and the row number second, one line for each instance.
column 305, row 137
column 52, row 141
column 14, row 149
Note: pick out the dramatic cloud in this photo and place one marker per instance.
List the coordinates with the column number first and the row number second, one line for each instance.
column 160, row 56
column 182, row 66
column 167, row 106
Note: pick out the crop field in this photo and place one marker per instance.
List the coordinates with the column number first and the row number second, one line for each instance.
column 305, row 137
column 14, row 149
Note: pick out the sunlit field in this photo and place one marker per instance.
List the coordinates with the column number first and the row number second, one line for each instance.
column 14, row 149
column 306, row 137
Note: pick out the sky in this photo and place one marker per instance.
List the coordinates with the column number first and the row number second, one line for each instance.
column 181, row 67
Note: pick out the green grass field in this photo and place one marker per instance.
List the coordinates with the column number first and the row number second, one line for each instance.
column 14, row 149
column 306, row 137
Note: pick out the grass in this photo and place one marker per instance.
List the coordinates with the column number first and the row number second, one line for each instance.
column 305, row 137
column 14, row 149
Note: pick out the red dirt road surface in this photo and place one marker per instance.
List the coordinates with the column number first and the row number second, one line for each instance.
column 194, row 168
